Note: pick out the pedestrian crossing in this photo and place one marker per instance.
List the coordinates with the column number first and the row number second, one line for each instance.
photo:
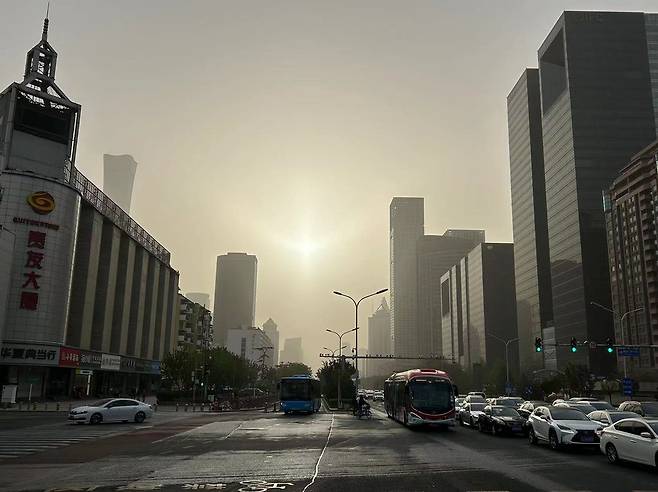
column 22, row 442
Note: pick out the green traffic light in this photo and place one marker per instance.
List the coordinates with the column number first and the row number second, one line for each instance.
column 610, row 350
column 574, row 350
column 537, row 349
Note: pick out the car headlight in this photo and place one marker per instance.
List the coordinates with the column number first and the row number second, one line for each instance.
column 565, row 428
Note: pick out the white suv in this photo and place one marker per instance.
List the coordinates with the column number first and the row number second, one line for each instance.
column 562, row 426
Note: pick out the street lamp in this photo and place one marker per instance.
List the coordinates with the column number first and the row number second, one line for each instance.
column 356, row 326
column 333, row 352
column 340, row 354
column 621, row 324
column 506, row 342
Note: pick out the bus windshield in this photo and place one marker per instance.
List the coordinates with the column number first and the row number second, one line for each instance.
column 431, row 395
column 295, row 389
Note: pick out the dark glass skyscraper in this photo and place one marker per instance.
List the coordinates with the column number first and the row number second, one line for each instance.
column 598, row 102
column 532, row 268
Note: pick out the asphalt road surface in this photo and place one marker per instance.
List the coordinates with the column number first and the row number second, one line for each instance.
column 255, row 451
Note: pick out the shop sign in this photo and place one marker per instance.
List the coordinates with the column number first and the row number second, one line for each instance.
column 111, row 362
column 141, row 365
column 128, row 364
column 84, row 372
column 28, row 354
column 90, row 360
column 69, row 357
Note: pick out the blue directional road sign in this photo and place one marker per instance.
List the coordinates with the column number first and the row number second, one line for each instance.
column 628, row 386
column 628, row 351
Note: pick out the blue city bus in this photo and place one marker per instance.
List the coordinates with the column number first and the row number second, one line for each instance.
column 299, row 394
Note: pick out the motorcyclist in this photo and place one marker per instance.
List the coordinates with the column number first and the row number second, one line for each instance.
column 363, row 405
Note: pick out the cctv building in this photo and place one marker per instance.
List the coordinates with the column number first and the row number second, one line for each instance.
column 91, row 300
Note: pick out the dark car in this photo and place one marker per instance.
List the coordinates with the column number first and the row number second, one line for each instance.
column 529, row 406
column 508, row 401
column 501, row 419
column 643, row 408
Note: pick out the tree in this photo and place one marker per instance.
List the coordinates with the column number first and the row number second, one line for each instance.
column 609, row 386
column 329, row 375
column 288, row 369
column 576, row 378
column 177, row 368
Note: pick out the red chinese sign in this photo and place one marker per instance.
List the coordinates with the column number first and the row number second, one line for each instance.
column 69, row 357
column 36, row 240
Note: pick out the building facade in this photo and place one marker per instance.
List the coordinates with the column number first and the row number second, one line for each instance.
column 194, row 325
column 250, row 343
column 235, row 293
column 435, row 256
column 292, row 351
column 379, row 339
column 598, row 78
column 119, row 178
column 271, row 330
column 476, row 236
column 92, row 299
column 406, row 227
column 479, row 308
column 532, row 267
column 631, row 208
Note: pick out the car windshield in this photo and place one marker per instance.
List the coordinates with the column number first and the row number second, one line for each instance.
column 654, row 426
column 478, row 407
column 431, row 395
column 585, row 408
column 505, row 412
column 475, row 398
column 601, row 405
column 507, row 402
column 650, row 408
column 567, row 414
column 100, row 403
column 616, row 416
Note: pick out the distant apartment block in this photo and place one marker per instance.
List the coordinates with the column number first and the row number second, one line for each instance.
column 292, row 350
column 194, row 325
column 631, row 207
column 250, row 343
column 271, row 330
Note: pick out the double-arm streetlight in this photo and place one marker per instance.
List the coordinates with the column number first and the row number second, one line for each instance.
column 340, row 355
column 356, row 326
column 333, row 352
column 621, row 324
column 506, row 342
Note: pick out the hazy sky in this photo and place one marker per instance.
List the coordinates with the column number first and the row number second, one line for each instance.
column 283, row 128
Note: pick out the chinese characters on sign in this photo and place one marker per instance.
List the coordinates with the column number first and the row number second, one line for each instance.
column 14, row 354
column 36, row 240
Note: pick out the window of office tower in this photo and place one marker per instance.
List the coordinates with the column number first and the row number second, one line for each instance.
column 553, row 72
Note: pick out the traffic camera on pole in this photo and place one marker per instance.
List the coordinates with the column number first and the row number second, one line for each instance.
column 538, row 345
column 574, row 345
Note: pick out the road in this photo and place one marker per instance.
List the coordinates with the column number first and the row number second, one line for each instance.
column 255, row 451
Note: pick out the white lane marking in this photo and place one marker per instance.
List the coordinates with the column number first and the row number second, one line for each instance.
column 231, row 433
column 317, row 465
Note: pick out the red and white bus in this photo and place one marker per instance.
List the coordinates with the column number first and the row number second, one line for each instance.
column 421, row 396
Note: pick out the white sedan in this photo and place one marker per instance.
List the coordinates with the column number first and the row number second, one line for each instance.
column 633, row 439
column 112, row 410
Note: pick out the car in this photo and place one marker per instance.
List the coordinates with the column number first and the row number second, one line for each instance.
column 634, row 439
column 501, row 419
column 609, row 417
column 508, row 401
column 528, row 406
column 458, row 403
column 477, row 393
column 642, row 408
column 562, row 426
column 378, row 397
column 581, row 406
column 470, row 413
column 112, row 410
column 582, row 398
column 474, row 399
column 602, row 405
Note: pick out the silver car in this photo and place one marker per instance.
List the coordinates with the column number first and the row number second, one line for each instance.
column 112, row 410
column 470, row 413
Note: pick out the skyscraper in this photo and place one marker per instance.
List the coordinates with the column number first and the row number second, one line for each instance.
column 271, row 330
column 406, row 227
column 532, row 268
column 292, row 350
column 599, row 92
column 118, row 178
column 476, row 236
column 235, row 293
column 379, row 338
column 435, row 256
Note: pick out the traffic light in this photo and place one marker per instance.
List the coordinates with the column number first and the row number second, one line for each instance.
column 538, row 345
column 611, row 346
column 574, row 345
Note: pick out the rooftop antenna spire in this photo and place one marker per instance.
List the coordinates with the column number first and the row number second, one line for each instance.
column 44, row 35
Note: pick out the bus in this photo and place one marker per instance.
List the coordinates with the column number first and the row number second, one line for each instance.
column 299, row 394
column 421, row 396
